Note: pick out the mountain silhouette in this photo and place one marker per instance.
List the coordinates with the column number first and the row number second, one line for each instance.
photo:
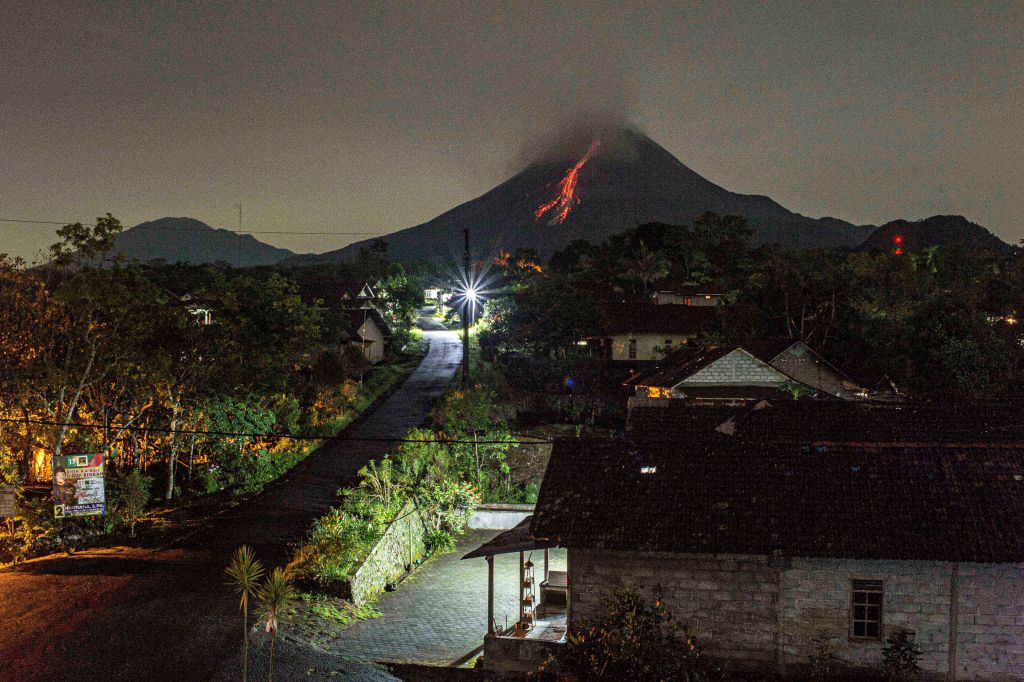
column 627, row 180
column 944, row 231
column 188, row 240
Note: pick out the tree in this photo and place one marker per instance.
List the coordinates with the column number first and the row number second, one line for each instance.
column 276, row 596
column 244, row 573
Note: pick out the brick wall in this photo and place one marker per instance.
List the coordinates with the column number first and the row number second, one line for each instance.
column 990, row 623
column 728, row 602
column 758, row 612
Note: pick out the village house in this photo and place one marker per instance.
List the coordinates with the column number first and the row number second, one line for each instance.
column 642, row 331
column 743, row 371
column 368, row 332
column 773, row 527
column 692, row 295
column 764, row 550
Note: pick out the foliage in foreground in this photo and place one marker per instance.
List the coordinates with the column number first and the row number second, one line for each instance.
column 901, row 657
column 442, row 470
column 633, row 640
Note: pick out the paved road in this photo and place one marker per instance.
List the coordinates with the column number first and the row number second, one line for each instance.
column 439, row 614
column 164, row 614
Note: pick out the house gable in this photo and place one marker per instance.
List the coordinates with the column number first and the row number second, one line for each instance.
column 737, row 367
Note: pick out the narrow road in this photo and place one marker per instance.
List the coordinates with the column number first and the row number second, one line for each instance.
column 165, row 614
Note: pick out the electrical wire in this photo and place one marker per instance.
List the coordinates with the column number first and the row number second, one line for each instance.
column 242, row 434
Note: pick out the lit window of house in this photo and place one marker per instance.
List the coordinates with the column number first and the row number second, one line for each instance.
column 866, row 609
column 632, row 349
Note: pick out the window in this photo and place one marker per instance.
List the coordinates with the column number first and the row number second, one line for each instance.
column 668, row 346
column 866, row 609
column 632, row 349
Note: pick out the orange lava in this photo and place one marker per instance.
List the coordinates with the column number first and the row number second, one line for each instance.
column 566, row 198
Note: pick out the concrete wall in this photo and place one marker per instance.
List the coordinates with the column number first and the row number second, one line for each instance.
column 403, row 541
column 499, row 516
column 764, row 613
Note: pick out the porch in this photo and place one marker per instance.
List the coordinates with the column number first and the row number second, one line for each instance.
column 543, row 605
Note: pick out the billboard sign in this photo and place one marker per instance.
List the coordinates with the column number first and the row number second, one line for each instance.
column 78, row 486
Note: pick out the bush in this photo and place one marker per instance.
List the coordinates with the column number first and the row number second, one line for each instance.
column 900, row 657
column 129, row 495
column 440, row 542
column 634, row 640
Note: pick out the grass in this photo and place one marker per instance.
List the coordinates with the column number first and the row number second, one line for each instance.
column 338, row 610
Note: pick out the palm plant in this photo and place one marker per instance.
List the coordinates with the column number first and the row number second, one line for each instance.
column 244, row 573
column 276, row 595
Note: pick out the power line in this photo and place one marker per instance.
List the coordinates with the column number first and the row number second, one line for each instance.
column 199, row 229
column 242, row 434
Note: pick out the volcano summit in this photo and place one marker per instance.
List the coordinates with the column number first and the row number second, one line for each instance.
column 616, row 180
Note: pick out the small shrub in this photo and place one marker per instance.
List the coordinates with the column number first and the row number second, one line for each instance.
column 901, row 657
column 440, row 542
column 823, row 658
column 634, row 640
column 130, row 494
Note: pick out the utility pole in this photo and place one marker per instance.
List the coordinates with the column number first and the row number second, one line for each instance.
column 465, row 310
column 238, row 253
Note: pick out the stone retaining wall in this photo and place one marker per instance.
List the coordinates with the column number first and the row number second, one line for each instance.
column 403, row 542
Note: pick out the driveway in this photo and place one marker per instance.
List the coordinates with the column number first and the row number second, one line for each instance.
column 439, row 614
column 164, row 613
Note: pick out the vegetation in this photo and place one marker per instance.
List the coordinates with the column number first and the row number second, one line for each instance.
column 901, row 657
column 244, row 573
column 275, row 596
column 445, row 471
column 196, row 394
column 939, row 323
column 633, row 640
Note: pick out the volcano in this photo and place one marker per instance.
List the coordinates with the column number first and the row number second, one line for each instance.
column 611, row 182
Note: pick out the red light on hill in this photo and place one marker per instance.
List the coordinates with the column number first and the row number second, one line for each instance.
column 899, row 252
column 898, row 239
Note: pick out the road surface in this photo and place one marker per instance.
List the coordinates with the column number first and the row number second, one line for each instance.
column 165, row 614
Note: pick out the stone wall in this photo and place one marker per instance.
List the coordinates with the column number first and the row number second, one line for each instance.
column 757, row 612
column 403, row 542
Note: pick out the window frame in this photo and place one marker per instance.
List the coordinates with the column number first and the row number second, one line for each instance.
column 866, row 586
column 631, row 349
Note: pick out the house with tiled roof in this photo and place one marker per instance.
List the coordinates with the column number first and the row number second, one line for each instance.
column 750, row 370
column 644, row 331
column 765, row 547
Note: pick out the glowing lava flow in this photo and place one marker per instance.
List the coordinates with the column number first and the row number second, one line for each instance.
column 566, row 197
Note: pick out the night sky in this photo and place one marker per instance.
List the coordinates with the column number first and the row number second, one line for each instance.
column 370, row 118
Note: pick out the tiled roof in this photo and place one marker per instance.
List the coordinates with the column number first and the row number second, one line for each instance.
column 648, row 318
column 943, row 503
column 358, row 316
column 687, row 361
column 798, row 421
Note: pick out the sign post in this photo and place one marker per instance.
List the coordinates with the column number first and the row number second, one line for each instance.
column 78, row 486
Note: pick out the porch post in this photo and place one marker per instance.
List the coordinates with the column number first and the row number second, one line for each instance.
column 545, row 564
column 490, row 595
column 522, row 579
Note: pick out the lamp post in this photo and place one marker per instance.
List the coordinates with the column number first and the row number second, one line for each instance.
column 465, row 310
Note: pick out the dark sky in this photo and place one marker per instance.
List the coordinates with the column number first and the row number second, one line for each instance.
column 374, row 117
